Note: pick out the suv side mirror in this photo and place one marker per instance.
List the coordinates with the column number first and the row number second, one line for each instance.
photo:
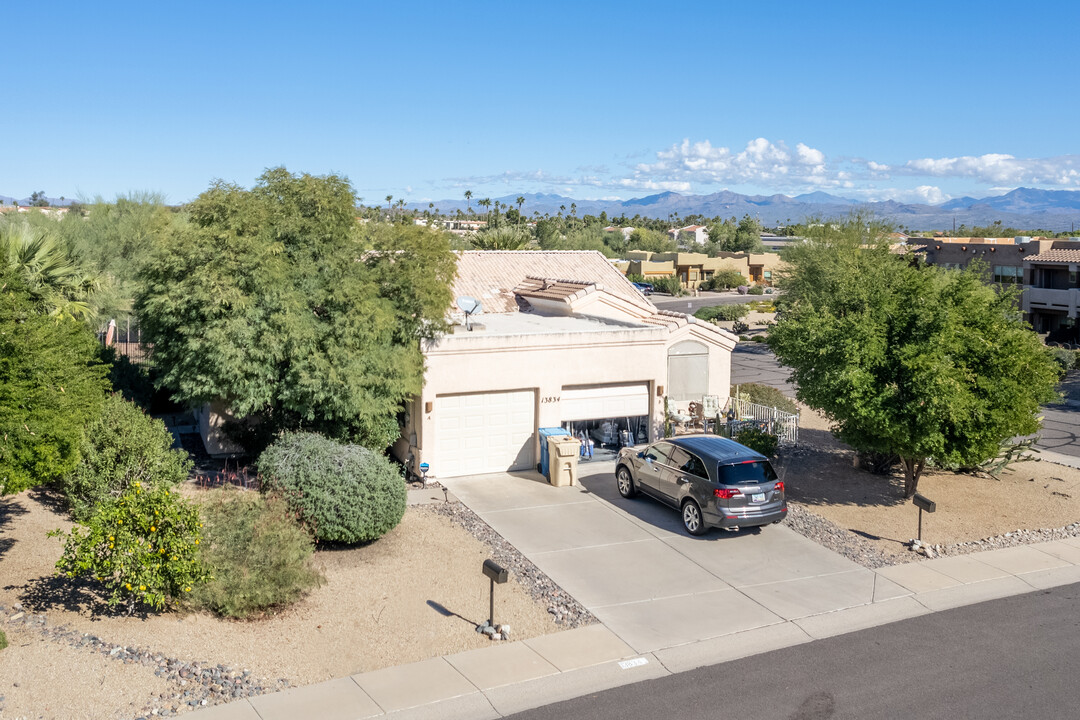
column 641, row 454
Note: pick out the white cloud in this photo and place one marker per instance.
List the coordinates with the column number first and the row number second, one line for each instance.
column 925, row 194
column 761, row 162
column 1000, row 169
column 773, row 166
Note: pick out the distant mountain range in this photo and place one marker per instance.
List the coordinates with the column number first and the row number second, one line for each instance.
column 54, row 202
column 1027, row 208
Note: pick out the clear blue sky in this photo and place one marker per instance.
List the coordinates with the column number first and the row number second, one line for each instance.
column 621, row 99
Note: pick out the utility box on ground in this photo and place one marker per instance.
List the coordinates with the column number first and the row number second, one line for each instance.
column 563, row 452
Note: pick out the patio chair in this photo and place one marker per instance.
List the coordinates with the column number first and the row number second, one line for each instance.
column 710, row 408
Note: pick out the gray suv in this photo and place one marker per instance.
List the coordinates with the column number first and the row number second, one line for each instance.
column 714, row 481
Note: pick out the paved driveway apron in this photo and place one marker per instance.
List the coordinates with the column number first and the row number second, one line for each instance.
column 633, row 566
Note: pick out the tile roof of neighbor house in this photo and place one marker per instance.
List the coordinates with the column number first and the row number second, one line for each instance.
column 491, row 276
column 693, row 227
column 1056, row 256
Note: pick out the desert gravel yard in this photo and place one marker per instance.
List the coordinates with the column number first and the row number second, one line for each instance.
column 821, row 476
column 416, row 593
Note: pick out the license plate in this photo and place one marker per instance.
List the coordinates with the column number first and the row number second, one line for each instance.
column 757, row 497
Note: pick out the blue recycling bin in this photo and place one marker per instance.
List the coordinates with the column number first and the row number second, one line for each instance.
column 545, row 433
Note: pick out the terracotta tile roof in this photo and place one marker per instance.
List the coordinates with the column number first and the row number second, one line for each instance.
column 1056, row 256
column 550, row 289
column 675, row 320
column 491, row 276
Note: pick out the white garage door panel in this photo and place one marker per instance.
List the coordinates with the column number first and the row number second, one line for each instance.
column 484, row 433
column 607, row 401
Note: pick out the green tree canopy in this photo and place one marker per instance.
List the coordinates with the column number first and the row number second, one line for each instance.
column 276, row 301
column 921, row 362
column 650, row 240
column 52, row 385
column 747, row 236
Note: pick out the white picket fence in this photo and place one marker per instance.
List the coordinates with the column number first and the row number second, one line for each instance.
column 784, row 425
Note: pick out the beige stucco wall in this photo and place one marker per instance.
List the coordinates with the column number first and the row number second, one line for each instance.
column 546, row 363
column 210, row 418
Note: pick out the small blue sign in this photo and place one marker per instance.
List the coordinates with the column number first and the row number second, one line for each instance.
column 424, row 467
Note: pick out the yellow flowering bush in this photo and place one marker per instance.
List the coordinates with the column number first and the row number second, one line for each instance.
column 142, row 546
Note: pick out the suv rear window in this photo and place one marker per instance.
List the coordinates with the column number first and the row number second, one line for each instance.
column 747, row 473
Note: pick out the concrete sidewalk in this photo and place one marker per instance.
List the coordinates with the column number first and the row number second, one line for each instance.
column 508, row 678
column 668, row 603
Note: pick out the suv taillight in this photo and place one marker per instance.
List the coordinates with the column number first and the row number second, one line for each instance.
column 779, row 487
column 726, row 493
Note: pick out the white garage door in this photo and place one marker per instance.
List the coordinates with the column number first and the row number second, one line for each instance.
column 484, row 433
column 604, row 401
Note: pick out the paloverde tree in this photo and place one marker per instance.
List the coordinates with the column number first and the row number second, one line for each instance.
column 277, row 302
column 919, row 362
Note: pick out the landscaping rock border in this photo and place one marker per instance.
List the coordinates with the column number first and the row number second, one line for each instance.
column 1012, row 539
column 560, row 604
column 830, row 535
column 194, row 684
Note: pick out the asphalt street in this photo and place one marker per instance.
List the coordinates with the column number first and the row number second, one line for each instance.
column 1061, row 430
column 691, row 304
column 753, row 362
column 1009, row 658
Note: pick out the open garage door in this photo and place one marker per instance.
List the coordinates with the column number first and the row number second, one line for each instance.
column 484, row 433
column 604, row 401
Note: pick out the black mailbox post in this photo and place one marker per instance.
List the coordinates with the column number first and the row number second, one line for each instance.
column 923, row 503
column 497, row 574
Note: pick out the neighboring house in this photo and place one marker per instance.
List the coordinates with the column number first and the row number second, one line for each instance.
column 462, row 227
column 1045, row 267
column 1052, row 289
column 692, row 269
column 626, row 231
column 698, row 234
column 57, row 212
column 564, row 339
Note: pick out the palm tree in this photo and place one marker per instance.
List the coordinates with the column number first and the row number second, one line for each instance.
column 389, row 207
column 520, row 201
column 53, row 277
column 573, row 209
column 507, row 237
column 468, row 200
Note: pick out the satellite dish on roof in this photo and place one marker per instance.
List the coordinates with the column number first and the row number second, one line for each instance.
column 470, row 306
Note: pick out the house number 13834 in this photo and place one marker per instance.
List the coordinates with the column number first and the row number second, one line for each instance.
column 550, row 399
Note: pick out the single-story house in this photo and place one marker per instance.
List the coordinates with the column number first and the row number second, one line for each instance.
column 563, row 340
column 692, row 269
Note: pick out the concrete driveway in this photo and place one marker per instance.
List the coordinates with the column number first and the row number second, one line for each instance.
column 634, row 567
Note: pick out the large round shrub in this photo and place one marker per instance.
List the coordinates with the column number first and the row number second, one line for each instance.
column 345, row 493
column 258, row 556
column 123, row 446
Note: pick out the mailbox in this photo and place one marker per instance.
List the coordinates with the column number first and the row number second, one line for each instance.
column 924, row 503
column 496, row 572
